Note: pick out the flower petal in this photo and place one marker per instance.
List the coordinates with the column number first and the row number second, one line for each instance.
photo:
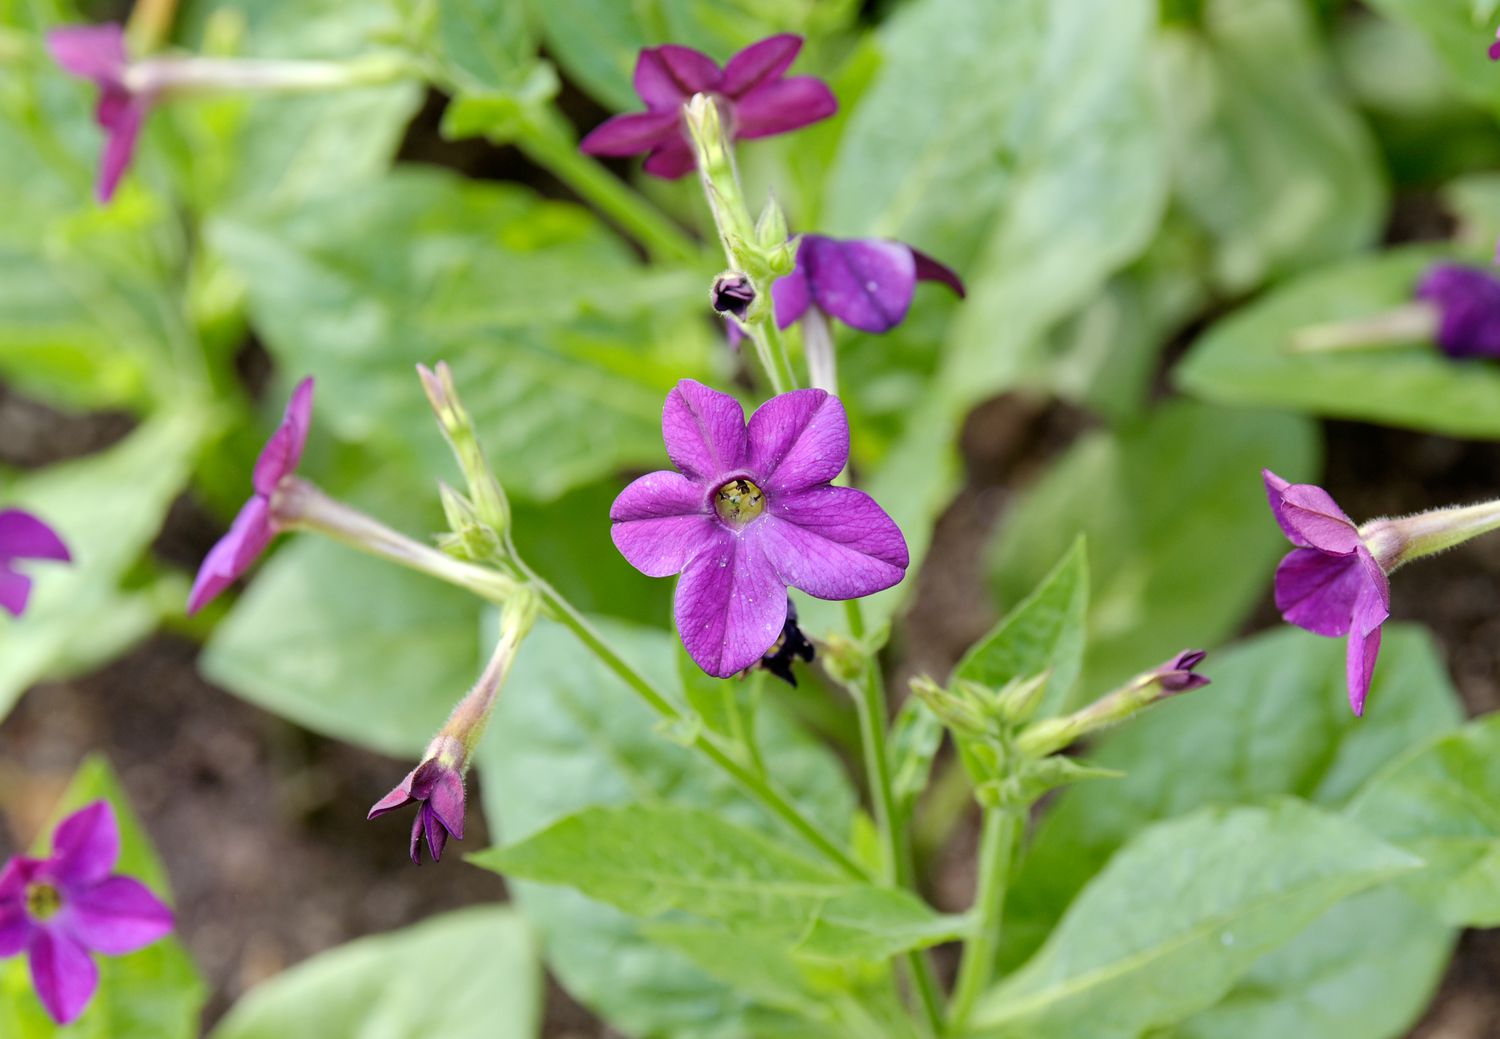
column 228, row 560
column 437, row 836
column 867, row 284
column 730, row 605
column 85, row 846
column 1318, row 591
column 759, row 63
column 446, row 802
column 798, row 440
column 282, row 453
column 116, row 916
column 15, row 928
column 790, row 295
column 23, row 536
column 660, row 522
column 782, row 106
column 95, row 52
column 1309, row 516
column 62, row 974
column 704, row 431
column 929, row 269
column 667, row 76
column 671, row 160
column 832, row 542
column 121, row 116
column 633, row 133
column 1364, row 646
column 15, row 590
column 397, row 798
column 1468, row 301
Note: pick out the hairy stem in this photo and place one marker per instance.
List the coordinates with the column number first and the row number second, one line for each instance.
column 1002, row 827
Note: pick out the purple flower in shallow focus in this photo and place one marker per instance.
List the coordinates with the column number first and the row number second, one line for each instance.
column 1178, row 675
column 757, row 98
column 23, row 536
column 1468, row 305
column 1330, row 584
column 438, row 791
column 59, row 909
column 97, row 53
column 867, row 283
column 253, row 528
column 750, row 512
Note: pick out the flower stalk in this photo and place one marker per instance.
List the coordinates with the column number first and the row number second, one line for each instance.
column 1396, row 542
column 997, row 844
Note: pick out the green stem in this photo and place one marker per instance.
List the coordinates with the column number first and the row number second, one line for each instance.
column 997, row 843
column 754, row 785
column 554, row 149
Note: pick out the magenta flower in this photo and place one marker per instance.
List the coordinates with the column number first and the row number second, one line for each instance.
column 23, row 536
column 750, row 512
column 1178, row 675
column 867, row 283
column 59, row 909
column 438, row 791
column 97, row 53
column 1467, row 300
column 1331, row 584
column 755, row 95
column 254, row 527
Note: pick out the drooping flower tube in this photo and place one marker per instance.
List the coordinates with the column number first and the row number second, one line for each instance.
column 867, row 283
column 23, row 536
column 750, row 511
column 60, row 909
column 1336, row 581
column 1455, row 306
column 753, row 90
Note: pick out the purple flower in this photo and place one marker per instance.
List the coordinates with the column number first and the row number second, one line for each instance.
column 867, row 283
column 97, row 53
column 253, row 528
column 756, row 96
column 1495, row 48
column 1331, row 584
column 23, row 536
column 1177, row 675
column 59, row 909
column 750, row 512
column 1468, row 305
column 438, row 789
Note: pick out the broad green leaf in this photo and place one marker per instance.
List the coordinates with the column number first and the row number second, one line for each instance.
column 107, row 507
column 1180, row 913
column 472, row 974
column 1459, row 30
column 1246, row 358
column 565, row 716
column 1169, row 570
column 349, row 646
column 1044, row 632
column 155, row 993
column 649, row 861
column 558, row 339
column 1275, row 721
column 1366, row 969
column 1274, row 165
column 1442, row 802
column 479, row 46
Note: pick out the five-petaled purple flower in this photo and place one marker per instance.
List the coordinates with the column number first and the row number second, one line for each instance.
column 1331, row 584
column 437, row 788
column 867, row 283
column 23, row 536
column 1467, row 300
column 59, row 909
column 756, row 96
column 97, row 53
column 253, row 528
column 751, row 511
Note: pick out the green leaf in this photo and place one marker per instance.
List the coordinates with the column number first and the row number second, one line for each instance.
column 107, row 507
column 562, row 345
column 1245, row 359
column 1169, row 570
column 1458, row 30
column 1442, row 802
column 1274, row 165
column 1275, row 721
column 648, row 861
column 1196, row 900
column 405, row 984
column 565, row 716
column 1044, row 632
column 478, row 45
column 349, row 646
column 155, row 993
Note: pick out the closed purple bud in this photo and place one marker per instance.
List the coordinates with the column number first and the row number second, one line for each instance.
column 732, row 294
column 1468, row 304
column 1177, row 675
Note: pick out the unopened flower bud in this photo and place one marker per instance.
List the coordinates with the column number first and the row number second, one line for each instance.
column 472, row 538
column 771, row 230
column 488, row 498
column 733, row 293
column 957, row 709
column 1021, row 697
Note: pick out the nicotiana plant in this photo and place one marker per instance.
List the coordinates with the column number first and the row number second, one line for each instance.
column 1147, row 863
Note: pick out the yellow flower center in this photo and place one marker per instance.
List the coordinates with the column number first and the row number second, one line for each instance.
column 738, row 502
column 42, row 901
